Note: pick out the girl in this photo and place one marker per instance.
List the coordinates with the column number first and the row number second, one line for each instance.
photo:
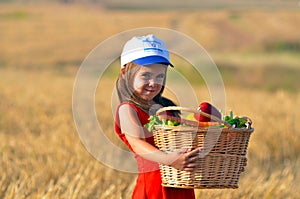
column 144, row 63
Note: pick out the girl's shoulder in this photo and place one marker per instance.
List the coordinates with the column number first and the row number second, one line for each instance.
column 126, row 107
column 130, row 105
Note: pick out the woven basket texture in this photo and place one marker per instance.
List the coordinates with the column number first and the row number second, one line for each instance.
column 222, row 156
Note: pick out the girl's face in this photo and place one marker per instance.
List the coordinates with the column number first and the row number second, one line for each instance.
column 149, row 80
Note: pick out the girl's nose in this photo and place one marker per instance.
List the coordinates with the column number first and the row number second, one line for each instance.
column 152, row 82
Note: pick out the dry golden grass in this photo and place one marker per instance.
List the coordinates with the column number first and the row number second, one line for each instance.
column 41, row 155
column 62, row 35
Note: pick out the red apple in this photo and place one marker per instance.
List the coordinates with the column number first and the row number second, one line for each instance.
column 207, row 108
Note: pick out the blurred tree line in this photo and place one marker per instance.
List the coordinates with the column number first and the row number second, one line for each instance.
column 171, row 4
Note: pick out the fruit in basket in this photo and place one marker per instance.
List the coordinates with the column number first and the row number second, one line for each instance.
column 209, row 109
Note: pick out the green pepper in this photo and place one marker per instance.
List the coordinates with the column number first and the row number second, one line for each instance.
column 164, row 122
column 176, row 123
column 170, row 123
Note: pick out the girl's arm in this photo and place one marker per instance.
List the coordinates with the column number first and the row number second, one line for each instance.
column 130, row 125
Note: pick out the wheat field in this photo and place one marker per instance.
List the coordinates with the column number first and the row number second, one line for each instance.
column 42, row 47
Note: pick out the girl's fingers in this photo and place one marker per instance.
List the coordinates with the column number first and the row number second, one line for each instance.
column 194, row 152
column 190, row 167
column 193, row 159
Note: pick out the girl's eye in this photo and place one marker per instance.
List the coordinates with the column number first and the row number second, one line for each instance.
column 161, row 76
column 146, row 75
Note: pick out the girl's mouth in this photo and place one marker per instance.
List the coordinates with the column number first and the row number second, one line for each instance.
column 150, row 89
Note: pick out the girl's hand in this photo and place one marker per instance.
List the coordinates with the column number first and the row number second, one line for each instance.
column 184, row 159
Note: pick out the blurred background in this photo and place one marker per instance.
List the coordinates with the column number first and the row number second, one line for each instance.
column 255, row 44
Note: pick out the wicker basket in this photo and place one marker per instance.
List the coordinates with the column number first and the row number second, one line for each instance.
column 221, row 160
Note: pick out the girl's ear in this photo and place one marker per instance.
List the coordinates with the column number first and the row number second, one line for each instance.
column 122, row 71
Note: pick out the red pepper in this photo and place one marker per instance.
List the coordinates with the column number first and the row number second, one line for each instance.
column 207, row 108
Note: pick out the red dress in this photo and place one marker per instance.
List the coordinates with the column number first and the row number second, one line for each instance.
column 148, row 183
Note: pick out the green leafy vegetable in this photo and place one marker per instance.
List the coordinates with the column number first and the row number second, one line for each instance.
column 235, row 122
column 154, row 120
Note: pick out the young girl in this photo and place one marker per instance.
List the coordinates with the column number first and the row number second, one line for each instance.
column 144, row 63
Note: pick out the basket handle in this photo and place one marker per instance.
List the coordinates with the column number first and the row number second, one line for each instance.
column 179, row 108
